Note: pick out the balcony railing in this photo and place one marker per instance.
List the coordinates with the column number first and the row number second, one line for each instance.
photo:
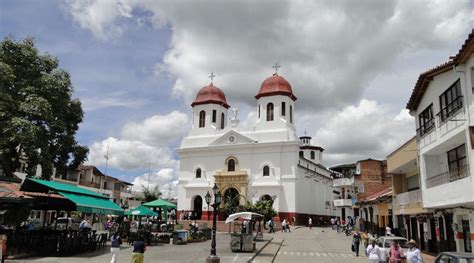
column 450, row 110
column 447, row 177
column 408, row 198
column 426, row 129
column 341, row 182
column 342, row 202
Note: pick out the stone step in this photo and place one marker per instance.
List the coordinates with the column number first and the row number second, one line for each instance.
column 268, row 253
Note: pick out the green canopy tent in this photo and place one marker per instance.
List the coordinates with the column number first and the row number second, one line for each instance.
column 140, row 211
column 160, row 203
column 84, row 200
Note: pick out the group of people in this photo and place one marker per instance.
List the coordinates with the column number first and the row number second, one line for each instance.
column 188, row 215
column 138, row 251
column 377, row 254
column 85, row 225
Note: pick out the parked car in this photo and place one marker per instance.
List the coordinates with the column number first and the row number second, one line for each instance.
column 73, row 223
column 387, row 241
column 454, row 257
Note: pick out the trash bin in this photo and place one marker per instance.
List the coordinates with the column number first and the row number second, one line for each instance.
column 180, row 235
column 247, row 243
column 236, row 242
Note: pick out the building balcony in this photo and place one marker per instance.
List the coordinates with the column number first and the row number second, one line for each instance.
column 447, row 177
column 343, row 202
column 343, row 182
column 408, row 198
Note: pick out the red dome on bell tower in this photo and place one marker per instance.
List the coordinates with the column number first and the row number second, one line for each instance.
column 210, row 95
column 275, row 85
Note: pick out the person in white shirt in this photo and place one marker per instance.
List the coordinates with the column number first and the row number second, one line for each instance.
column 283, row 225
column 413, row 254
column 373, row 252
column 383, row 254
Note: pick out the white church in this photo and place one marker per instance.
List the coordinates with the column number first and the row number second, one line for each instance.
column 263, row 162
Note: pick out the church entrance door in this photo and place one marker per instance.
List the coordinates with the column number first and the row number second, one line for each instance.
column 231, row 200
column 197, row 207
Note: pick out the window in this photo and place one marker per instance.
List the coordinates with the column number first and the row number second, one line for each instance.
column 231, row 165
column 283, row 108
column 301, row 154
column 259, row 111
column 105, row 185
column 313, row 155
column 413, row 183
column 266, row 170
column 270, row 112
column 450, row 101
column 222, row 120
column 202, row 119
column 214, row 116
column 198, row 173
column 457, row 162
column 291, row 114
column 426, row 121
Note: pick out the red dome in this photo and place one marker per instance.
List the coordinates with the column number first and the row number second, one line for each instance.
column 210, row 95
column 275, row 85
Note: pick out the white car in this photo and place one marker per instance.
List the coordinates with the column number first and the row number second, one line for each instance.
column 387, row 241
column 73, row 223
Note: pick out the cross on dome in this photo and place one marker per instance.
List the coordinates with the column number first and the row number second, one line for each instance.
column 212, row 76
column 276, row 66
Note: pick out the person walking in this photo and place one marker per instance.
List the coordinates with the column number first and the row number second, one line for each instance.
column 310, row 222
column 373, row 252
column 413, row 254
column 283, row 225
column 271, row 225
column 356, row 242
column 396, row 253
column 383, row 254
column 138, row 252
column 115, row 242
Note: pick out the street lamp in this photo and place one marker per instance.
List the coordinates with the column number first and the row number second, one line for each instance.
column 213, row 258
column 208, row 201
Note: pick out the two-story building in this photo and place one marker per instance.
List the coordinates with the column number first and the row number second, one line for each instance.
column 442, row 103
column 344, row 189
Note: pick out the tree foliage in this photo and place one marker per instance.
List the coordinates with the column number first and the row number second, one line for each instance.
column 151, row 194
column 38, row 117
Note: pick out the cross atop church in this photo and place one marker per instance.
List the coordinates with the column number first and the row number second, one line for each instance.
column 212, row 76
column 276, row 67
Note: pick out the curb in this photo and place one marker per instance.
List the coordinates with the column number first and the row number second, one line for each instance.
column 260, row 250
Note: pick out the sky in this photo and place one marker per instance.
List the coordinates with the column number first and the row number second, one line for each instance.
column 136, row 66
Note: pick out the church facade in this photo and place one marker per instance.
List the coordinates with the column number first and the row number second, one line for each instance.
column 266, row 161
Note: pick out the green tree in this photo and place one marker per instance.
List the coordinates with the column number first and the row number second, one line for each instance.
column 38, row 117
column 151, row 194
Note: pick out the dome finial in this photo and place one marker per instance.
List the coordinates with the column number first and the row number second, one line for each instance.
column 276, row 68
column 212, row 76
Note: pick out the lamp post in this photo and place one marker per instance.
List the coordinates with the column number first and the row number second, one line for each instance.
column 213, row 258
column 208, row 201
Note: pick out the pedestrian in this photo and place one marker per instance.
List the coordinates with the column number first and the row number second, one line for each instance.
column 388, row 231
column 271, row 225
column 310, row 222
column 383, row 254
column 288, row 223
column 373, row 252
column 365, row 240
column 396, row 253
column 413, row 254
column 139, row 249
column 356, row 242
column 283, row 225
column 115, row 242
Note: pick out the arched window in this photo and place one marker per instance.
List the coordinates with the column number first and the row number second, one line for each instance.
column 283, row 108
column 231, row 165
column 291, row 114
column 259, row 111
column 312, row 155
column 301, row 154
column 270, row 112
column 198, row 173
column 222, row 120
column 266, row 170
column 214, row 116
column 202, row 119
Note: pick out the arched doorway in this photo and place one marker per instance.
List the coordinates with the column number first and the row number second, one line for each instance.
column 231, row 200
column 197, row 205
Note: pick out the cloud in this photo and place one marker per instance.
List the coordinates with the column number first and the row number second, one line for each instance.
column 166, row 180
column 366, row 130
column 95, row 103
column 142, row 143
column 330, row 50
column 157, row 130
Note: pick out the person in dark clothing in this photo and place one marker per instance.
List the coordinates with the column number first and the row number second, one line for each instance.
column 115, row 242
column 356, row 242
column 139, row 249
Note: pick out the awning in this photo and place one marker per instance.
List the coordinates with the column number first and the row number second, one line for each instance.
column 85, row 200
column 160, row 203
column 140, row 211
column 92, row 204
